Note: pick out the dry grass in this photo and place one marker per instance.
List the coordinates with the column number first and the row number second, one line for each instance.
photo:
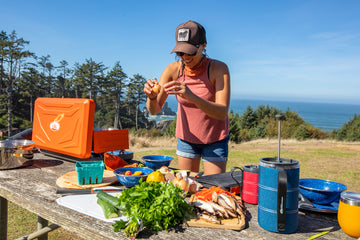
column 325, row 159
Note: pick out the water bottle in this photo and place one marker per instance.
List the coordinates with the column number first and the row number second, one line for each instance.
column 250, row 184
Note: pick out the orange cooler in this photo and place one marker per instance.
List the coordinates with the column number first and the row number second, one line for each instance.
column 349, row 213
column 65, row 126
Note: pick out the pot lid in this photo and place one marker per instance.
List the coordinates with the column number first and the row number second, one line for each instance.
column 251, row 168
column 282, row 163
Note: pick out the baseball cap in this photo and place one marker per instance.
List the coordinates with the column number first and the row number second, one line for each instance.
column 189, row 36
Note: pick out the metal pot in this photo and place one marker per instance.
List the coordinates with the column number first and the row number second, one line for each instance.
column 15, row 153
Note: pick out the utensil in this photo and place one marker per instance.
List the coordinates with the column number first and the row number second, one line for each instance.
column 304, row 201
column 279, row 118
column 349, row 213
column 85, row 191
column 230, row 181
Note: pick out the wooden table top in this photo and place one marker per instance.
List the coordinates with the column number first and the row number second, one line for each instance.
column 34, row 189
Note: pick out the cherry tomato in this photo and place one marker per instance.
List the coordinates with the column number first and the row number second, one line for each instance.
column 128, row 173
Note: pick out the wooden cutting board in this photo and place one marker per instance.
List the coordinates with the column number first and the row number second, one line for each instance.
column 70, row 180
column 232, row 223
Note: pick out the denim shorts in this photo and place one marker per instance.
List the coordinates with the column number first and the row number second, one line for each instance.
column 212, row 152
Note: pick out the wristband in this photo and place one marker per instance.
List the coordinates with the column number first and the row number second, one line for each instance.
column 153, row 98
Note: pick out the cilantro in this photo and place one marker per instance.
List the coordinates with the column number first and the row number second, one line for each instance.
column 159, row 205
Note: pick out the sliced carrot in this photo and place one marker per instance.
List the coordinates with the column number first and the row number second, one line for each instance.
column 205, row 194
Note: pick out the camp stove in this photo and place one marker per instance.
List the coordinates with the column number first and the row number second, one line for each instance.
column 64, row 128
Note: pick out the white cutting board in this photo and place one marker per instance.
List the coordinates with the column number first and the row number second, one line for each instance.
column 86, row 204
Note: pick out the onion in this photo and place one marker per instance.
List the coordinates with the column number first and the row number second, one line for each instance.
column 164, row 169
column 192, row 188
column 156, row 88
column 183, row 185
column 176, row 181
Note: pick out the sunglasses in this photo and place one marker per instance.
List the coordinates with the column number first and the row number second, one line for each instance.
column 180, row 54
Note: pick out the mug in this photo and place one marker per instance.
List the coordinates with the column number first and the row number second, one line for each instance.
column 349, row 213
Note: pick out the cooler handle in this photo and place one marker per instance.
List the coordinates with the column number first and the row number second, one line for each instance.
column 281, row 200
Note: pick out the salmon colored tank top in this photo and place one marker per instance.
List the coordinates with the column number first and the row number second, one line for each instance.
column 192, row 124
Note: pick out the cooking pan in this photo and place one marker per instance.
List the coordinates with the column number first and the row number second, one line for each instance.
column 225, row 180
column 15, row 153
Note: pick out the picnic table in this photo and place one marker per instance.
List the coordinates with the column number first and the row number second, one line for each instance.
column 34, row 189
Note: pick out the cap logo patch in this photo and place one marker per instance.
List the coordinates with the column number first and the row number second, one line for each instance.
column 183, row 35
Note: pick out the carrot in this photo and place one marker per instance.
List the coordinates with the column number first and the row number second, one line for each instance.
column 205, row 194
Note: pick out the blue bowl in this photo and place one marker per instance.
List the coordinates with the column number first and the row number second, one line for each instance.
column 157, row 161
column 130, row 181
column 320, row 191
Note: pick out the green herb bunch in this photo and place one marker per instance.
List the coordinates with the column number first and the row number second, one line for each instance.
column 159, row 205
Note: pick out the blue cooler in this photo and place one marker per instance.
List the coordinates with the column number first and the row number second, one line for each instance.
column 278, row 194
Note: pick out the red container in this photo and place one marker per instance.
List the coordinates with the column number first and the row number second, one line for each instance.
column 250, row 184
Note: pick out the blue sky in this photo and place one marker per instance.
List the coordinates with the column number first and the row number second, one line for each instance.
column 300, row 50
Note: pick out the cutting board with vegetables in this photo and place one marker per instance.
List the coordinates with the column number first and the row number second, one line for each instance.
column 86, row 204
column 70, row 180
column 232, row 223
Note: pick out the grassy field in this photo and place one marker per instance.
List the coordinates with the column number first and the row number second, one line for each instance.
column 325, row 159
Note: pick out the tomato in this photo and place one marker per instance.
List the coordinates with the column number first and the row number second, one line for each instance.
column 128, row 173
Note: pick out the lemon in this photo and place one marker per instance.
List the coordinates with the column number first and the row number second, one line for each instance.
column 155, row 176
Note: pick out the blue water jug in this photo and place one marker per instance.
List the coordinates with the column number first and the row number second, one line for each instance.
column 278, row 194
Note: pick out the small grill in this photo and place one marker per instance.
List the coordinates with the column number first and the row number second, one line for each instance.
column 64, row 128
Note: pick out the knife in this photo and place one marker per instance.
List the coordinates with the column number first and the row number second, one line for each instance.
column 86, row 191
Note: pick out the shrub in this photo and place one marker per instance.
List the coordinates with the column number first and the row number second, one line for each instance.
column 170, row 130
column 152, row 132
column 302, row 133
column 350, row 131
column 262, row 123
column 248, row 119
column 317, row 133
column 234, row 127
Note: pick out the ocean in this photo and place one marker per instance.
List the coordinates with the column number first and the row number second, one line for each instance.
column 327, row 116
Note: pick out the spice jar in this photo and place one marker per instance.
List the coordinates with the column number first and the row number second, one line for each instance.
column 349, row 213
